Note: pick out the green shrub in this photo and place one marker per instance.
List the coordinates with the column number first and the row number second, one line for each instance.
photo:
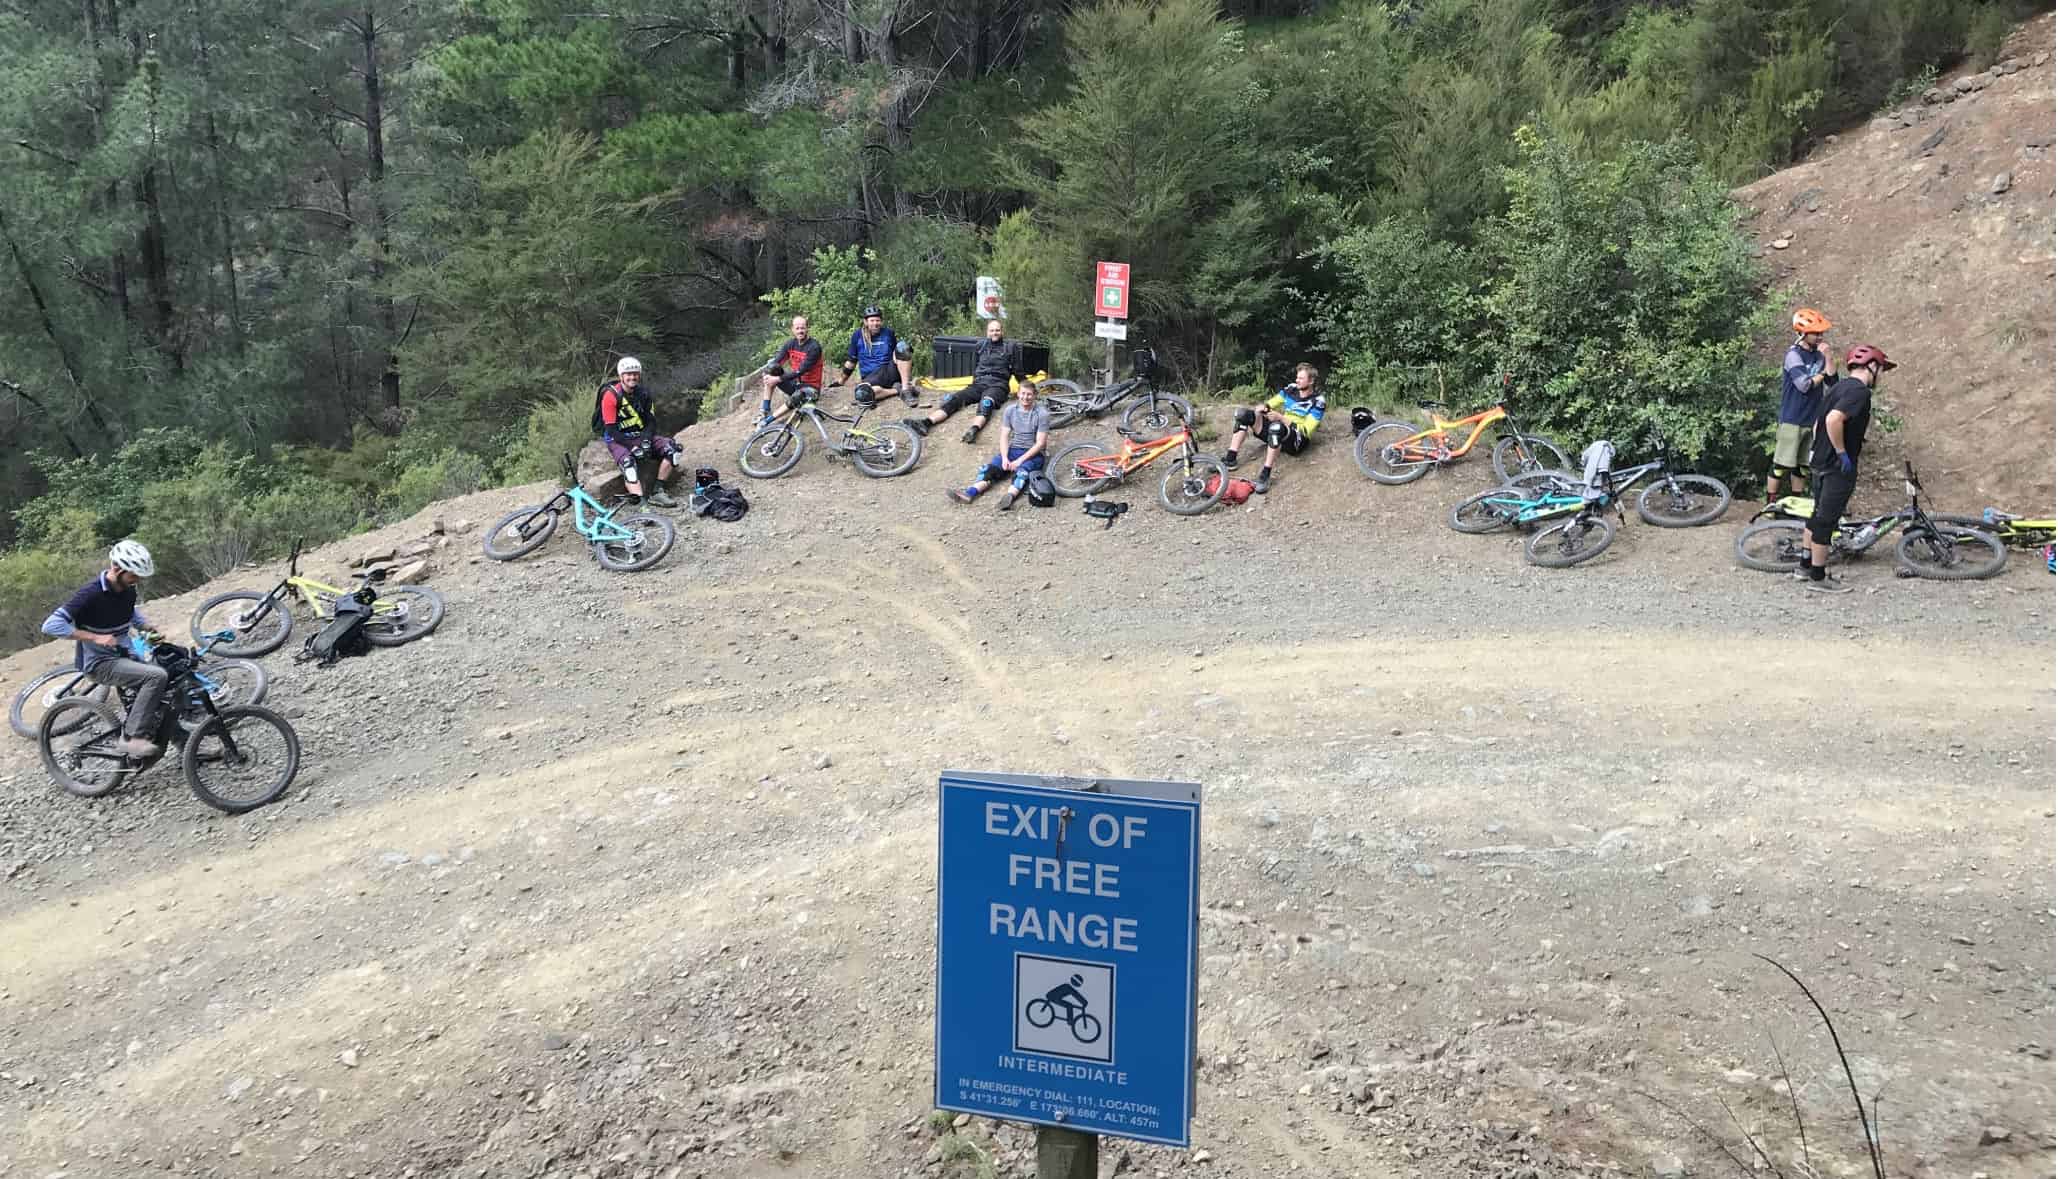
column 1988, row 34
column 447, row 473
column 844, row 283
column 33, row 582
column 551, row 430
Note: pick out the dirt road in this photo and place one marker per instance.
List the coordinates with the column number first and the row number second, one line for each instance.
column 633, row 875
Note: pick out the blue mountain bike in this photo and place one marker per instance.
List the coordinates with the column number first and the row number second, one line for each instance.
column 1673, row 501
column 627, row 544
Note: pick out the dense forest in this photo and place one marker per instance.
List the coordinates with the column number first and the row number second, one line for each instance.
column 279, row 267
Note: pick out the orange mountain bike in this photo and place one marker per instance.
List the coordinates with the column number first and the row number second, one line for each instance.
column 1192, row 485
column 1399, row 452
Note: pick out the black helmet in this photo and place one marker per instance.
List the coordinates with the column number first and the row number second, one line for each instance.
column 871, row 309
column 862, row 395
column 1078, row 981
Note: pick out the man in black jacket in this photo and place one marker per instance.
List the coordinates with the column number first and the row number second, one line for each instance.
column 1839, row 440
column 998, row 359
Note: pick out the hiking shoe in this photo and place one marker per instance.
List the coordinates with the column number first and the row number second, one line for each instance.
column 661, row 498
column 1007, row 501
column 1263, row 484
column 1229, row 459
column 961, row 495
column 970, row 435
column 137, row 747
column 1830, row 584
column 919, row 425
column 1801, row 572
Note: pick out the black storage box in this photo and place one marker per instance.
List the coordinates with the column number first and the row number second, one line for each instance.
column 955, row 355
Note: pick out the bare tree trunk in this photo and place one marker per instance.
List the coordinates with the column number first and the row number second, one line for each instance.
column 221, row 203
column 887, row 41
column 64, row 352
column 118, row 261
column 853, row 34
column 375, row 150
column 156, row 264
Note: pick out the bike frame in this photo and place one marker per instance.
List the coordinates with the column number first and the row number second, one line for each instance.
column 320, row 596
column 180, row 695
column 1133, row 456
column 815, row 415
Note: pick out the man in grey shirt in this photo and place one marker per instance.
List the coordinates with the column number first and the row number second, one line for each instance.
column 1024, row 433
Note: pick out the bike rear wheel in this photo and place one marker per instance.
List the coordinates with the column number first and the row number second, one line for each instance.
column 1069, row 480
column 1489, row 511
column 241, row 759
column 1548, row 479
column 892, row 449
column 654, row 537
column 77, row 741
column 1065, row 400
column 772, row 451
column 403, row 614
column 41, row 694
column 1379, row 455
column 1186, row 487
column 1517, row 453
column 1563, row 545
column 238, row 682
column 1772, row 546
column 1953, row 552
column 1040, row 1008
column 520, row 532
column 1156, row 420
column 1683, row 501
column 261, row 623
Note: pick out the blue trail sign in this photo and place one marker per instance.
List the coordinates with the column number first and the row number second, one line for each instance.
column 1067, row 952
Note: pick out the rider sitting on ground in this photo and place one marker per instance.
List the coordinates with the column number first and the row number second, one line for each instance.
column 997, row 359
column 99, row 617
column 879, row 357
column 1287, row 422
column 795, row 370
column 1024, row 433
column 625, row 426
column 1803, row 377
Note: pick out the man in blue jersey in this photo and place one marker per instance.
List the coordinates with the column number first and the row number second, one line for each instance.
column 98, row 618
column 879, row 357
column 1286, row 422
column 1802, row 379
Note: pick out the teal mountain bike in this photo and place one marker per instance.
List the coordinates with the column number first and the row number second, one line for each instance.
column 628, row 544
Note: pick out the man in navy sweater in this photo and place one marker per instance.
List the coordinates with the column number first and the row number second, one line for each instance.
column 99, row 617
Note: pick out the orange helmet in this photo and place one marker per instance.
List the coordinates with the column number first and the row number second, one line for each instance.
column 1808, row 320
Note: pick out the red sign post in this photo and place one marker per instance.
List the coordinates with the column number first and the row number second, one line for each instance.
column 1111, row 290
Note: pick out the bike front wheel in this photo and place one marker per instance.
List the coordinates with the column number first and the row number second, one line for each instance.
column 261, row 623
column 1086, row 1029
column 403, row 614
column 1683, row 501
column 1192, row 486
column 1563, row 545
column 1382, row 458
column 1517, row 453
column 78, row 742
column 1951, row 552
column 651, row 538
column 1157, row 416
column 520, row 532
column 41, row 694
column 1071, row 481
column 241, row 758
column 771, row 452
column 888, row 450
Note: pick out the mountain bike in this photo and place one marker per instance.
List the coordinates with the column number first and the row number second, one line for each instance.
column 1152, row 412
column 235, row 759
column 1042, row 1013
column 231, row 682
column 2010, row 529
column 1673, row 501
column 261, row 622
column 1397, row 452
column 1776, row 540
column 1194, row 483
column 629, row 544
column 881, row 451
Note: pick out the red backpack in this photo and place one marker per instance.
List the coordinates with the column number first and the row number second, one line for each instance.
column 1238, row 490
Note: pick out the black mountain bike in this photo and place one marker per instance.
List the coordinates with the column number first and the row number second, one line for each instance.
column 1151, row 414
column 1930, row 547
column 881, row 451
column 235, row 759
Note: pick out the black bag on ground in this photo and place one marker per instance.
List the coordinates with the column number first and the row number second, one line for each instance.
column 1361, row 420
column 342, row 635
column 717, row 502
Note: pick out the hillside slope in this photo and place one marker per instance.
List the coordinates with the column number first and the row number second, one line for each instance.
column 1899, row 234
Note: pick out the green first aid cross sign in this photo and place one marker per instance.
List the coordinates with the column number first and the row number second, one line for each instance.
column 1111, row 284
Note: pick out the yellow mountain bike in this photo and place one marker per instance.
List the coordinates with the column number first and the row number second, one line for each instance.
column 262, row 621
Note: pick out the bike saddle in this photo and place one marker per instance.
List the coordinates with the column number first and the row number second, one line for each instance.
column 1432, row 405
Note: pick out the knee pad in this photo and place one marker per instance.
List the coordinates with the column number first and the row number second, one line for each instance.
column 1781, row 472
column 986, row 405
column 990, row 472
column 1275, row 432
column 1245, row 419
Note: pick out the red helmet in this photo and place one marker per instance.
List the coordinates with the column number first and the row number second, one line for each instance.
column 1866, row 354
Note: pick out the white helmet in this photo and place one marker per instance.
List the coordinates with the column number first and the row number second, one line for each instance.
column 628, row 364
column 131, row 557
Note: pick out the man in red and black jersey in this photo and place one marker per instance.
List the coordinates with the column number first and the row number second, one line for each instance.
column 795, row 366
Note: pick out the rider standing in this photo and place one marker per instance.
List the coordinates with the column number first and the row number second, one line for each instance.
column 99, row 617
column 878, row 356
column 1839, row 440
column 1803, row 377
column 625, row 426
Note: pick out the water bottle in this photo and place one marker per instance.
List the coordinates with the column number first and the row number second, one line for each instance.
column 1987, row 515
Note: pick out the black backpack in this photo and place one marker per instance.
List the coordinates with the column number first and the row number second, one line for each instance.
column 341, row 636
column 715, row 501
